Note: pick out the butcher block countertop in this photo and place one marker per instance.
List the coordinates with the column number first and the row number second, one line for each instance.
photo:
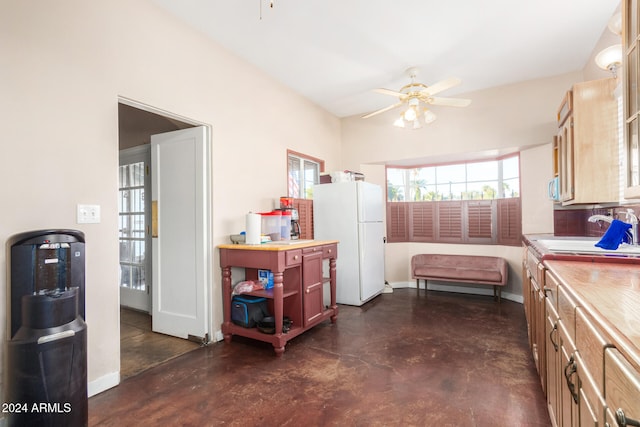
column 610, row 292
column 282, row 245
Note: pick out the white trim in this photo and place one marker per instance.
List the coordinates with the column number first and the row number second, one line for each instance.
column 463, row 288
column 103, row 383
column 145, row 107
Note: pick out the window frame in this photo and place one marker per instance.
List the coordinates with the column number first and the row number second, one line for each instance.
column 306, row 192
column 494, row 221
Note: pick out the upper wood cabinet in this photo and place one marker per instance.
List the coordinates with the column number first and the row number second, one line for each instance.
column 630, row 35
column 588, row 144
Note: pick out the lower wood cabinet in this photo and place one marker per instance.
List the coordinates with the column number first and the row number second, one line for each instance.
column 312, row 284
column 622, row 389
column 554, row 374
column 589, row 381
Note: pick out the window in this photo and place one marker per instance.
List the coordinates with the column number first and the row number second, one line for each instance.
column 303, row 172
column 132, row 230
column 471, row 202
column 494, row 179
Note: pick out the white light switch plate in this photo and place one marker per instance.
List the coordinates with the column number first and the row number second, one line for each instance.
column 88, row 214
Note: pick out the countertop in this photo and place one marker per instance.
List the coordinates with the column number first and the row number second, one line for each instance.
column 610, row 292
column 284, row 245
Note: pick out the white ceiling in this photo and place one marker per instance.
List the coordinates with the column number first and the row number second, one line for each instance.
column 334, row 52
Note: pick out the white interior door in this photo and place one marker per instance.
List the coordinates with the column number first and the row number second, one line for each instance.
column 181, row 233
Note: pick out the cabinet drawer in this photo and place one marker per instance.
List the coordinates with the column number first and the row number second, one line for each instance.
column 591, row 343
column 591, row 402
column 293, row 257
column 311, row 250
column 330, row 251
column 621, row 385
column 551, row 289
column 532, row 265
column 567, row 312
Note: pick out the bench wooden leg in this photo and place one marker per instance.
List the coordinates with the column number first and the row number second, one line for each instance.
column 497, row 292
column 418, row 285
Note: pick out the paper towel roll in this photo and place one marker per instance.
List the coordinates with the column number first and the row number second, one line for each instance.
column 253, row 227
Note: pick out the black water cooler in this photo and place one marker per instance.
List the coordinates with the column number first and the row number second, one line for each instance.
column 46, row 363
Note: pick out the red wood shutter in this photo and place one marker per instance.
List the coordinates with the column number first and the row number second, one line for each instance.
column 509, row 222
column 480, row 224
column 422, row 222
column 397, row 228
column 449, row 225
column 305, row 212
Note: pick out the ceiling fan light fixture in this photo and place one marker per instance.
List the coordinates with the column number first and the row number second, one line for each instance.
column 411, row 114
column 429, row 116
column 415, row 97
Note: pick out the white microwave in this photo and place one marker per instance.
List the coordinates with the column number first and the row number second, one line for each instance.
column 553, row 190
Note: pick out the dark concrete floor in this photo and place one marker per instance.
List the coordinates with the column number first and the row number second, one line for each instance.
column 404, row 359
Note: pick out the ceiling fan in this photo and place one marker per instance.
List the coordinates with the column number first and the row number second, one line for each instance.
column 417, row 96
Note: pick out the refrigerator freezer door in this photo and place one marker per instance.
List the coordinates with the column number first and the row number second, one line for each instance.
column 370, row 203
column 370, row 236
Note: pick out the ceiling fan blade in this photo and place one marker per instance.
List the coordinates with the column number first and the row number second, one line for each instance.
column 390, row 92
column 448, row 102
column 442, row 85
column 382, row 110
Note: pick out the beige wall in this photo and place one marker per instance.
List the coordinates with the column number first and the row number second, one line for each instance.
column 63, row 66
column 517, row 117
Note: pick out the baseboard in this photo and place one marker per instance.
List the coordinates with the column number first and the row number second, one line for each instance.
column 461, row 289
column 103, row 383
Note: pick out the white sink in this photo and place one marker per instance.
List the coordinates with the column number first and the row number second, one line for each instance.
column 586, row 246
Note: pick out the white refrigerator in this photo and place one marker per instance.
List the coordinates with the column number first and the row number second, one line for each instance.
column 352, row 213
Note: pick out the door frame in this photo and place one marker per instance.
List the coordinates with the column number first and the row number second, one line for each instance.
column 209, row 207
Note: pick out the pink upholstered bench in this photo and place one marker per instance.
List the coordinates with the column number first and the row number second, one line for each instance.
column 476, row 269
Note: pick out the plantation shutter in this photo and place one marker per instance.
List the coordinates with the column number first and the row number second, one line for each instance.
column 449, row 225
column 422, row 222
column 480, row 223
column 305, row 213
column 397, row 227
column 510, row 222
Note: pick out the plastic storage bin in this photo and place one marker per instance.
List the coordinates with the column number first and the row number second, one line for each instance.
column 271, row 222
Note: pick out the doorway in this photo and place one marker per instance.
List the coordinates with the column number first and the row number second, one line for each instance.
column 140, row 347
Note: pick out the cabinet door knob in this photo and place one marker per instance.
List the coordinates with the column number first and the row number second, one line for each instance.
column 295, row 257
column 569, row 370
column 624, row 421
column 555, row 344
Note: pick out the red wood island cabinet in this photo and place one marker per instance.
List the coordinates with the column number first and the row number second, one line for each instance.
column 298, row 285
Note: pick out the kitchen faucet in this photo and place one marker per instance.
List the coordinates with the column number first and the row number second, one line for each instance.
column 596, row 218
column 630, row 218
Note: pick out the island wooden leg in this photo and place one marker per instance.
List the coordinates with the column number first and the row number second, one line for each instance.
column 332, row 287
column 278, row 278
column 226, row 302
